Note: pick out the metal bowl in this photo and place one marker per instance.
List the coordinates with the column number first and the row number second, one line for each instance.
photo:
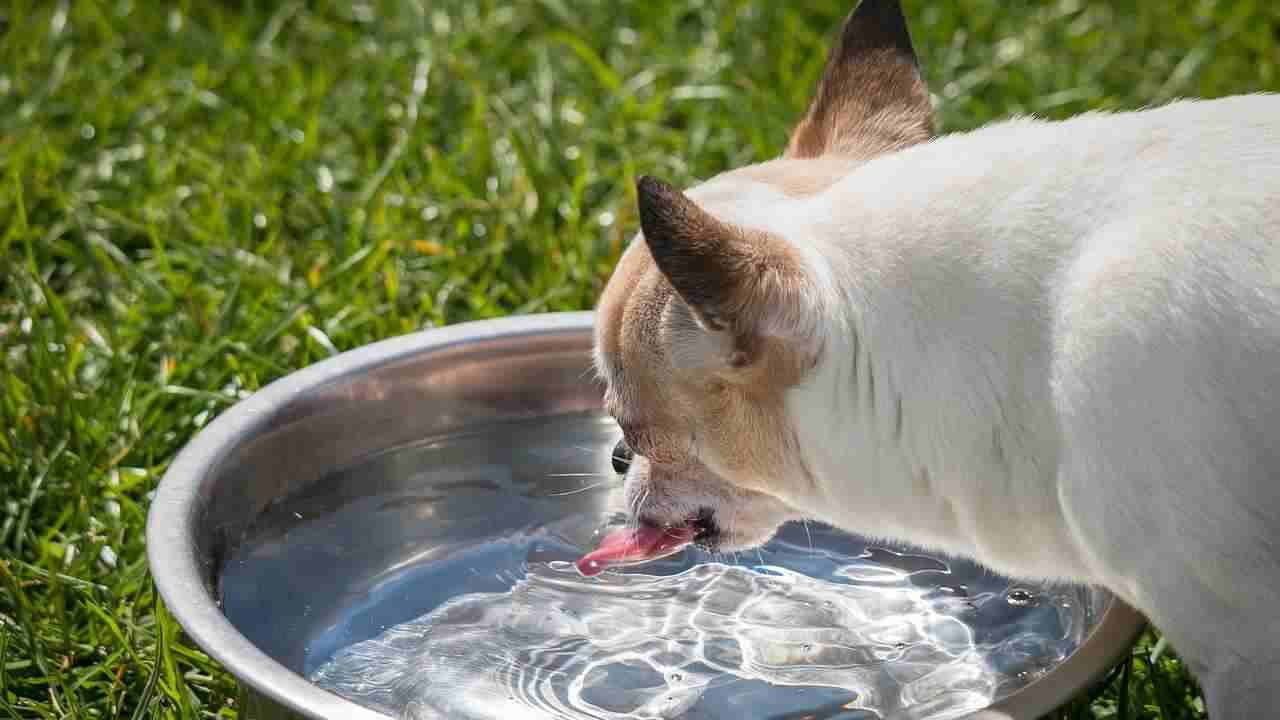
column 266, row 468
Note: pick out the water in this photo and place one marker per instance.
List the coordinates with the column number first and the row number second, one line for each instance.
column 484, row 616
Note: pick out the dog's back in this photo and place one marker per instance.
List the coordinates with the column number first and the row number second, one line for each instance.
column 1167, row 380
column 1102, row 296
column 1164, row 346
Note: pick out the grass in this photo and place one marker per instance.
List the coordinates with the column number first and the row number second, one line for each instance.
column 198, row 197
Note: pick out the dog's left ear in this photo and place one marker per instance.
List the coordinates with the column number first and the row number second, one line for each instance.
column 871, row 98
column 736, row 280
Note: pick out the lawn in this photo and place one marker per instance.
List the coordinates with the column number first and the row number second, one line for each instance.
column 198, row 197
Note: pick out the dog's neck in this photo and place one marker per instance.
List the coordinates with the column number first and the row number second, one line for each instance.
column 929, row 418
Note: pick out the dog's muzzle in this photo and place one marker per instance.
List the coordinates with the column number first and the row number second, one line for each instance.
column 621, row 457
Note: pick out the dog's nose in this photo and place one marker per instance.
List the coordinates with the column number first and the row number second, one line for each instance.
column 621, row 457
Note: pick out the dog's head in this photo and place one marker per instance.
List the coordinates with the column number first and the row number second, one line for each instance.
column 709, row 322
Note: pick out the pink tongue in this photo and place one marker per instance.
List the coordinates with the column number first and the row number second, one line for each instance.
column 633, row 545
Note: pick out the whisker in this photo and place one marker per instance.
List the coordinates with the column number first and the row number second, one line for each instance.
column 805, row 523
column 634, row 519
column 592, row 486
column 578, row 474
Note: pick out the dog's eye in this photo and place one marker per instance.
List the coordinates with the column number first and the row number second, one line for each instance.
column 621, row 457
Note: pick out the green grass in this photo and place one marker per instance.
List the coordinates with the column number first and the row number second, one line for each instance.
column 199, row 197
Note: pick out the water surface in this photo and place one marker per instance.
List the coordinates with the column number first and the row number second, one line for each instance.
column 437, row 582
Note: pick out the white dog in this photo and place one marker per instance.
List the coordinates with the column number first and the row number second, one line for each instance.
column 1053, row 347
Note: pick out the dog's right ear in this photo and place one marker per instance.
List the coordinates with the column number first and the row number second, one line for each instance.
column 871, row 98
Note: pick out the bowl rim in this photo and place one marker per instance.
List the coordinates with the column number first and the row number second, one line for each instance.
column 174, row 516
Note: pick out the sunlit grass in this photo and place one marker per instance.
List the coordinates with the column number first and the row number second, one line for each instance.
column 199, row 197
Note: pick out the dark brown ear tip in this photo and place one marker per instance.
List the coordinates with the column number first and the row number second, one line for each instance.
column 880, row 23
column 656, row 200
column 886, row 13
column 651, row 187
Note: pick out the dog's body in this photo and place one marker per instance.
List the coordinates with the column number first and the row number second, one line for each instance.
column 1055, row 347
column 1051, row 347
column 1036, row 324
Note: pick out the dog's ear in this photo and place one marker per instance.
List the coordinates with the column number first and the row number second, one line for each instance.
column 871, row 98
column 745, row 282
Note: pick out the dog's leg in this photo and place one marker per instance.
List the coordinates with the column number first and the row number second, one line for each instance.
column 1229, row 642
column 1167, row 384
column 1243, row 688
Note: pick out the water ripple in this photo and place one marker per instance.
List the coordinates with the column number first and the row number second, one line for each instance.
column 854, row 635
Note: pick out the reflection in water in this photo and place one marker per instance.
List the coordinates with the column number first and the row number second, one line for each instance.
column 436, row 581
column 878, row 634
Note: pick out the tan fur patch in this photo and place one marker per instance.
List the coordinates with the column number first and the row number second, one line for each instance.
column 799, row 177
column 678, row 395
column 675, row 395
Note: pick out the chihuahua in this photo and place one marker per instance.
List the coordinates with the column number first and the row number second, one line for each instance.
column 1051, row 347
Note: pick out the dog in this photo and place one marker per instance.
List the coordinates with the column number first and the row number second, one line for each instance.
column 1051, row 347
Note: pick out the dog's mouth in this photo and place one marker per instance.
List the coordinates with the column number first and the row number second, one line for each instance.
column 647, row 542
column 706, row 531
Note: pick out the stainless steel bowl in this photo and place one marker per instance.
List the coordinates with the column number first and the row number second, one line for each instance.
column 269, row 454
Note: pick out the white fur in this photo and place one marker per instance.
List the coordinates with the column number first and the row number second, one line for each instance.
column 1055, row 348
